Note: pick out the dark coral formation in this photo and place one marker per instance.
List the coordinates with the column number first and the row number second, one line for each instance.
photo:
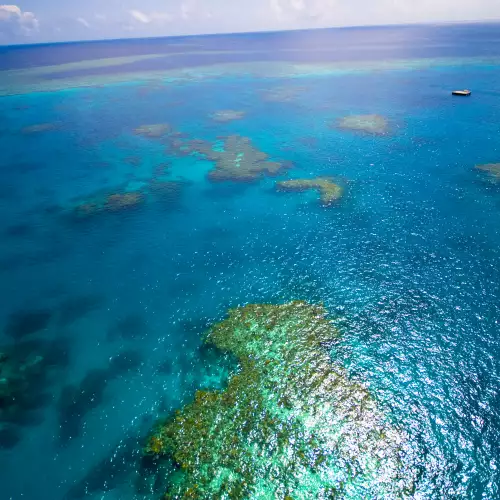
column 155, row 131
column 121, row 201
column 24, row 323
column 290, row 423
column 38, row 128
column 329, row 192
column 165, row 191
column 238, row 161
column 493, row 171
column 227, row 115
column 367, row 124
column 27, row 371
column 168, row 192
column 114, row 202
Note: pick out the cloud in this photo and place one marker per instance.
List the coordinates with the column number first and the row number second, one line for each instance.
column 83, row 22
column 14, row 22
column 153, row 17
column 294, row 11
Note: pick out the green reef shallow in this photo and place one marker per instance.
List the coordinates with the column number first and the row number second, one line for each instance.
column 290, row 424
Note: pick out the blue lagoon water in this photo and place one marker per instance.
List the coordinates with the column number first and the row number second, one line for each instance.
column 119, row 248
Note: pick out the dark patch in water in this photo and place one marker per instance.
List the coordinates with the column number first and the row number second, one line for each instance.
column 76, row 401
column 22, row 230
column 223, row 191
column 75, row 308
column 166, row 367
column 125, row 362
column 10, row 436
column 110, row 472
column 124, row 464
column 132, row 327
column 24, row 323
column 196, row 326
column 28, row 370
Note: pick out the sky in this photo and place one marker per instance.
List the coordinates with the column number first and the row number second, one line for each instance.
column 34, row 21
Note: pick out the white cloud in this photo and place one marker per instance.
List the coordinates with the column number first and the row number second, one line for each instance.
column 153, row 17
column 140, row 16
column 16, row 22
column 83, row 22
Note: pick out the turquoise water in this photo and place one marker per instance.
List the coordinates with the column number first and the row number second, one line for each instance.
column 407, row 263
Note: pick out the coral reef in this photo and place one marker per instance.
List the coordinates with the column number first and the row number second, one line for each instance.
column 120, row 201
column 227, row 115
column 155, row 131
column 167, row 191
column 38, row 128
column 238, row 161
column 368, row 124
column 290, row 423
column 329, row 191
column 115, row 202
column 134, row 161
column 493, row 171
column 282, row 94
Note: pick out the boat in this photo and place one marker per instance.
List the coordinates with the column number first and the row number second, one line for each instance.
column 462, row 92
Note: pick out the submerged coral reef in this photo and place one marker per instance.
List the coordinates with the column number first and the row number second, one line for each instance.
column 114, row 202
column 290, row 423
column 368, row 124
column 282, row 94
column 227, row 115
column 329, row 192
column 38, row 128
column 163, row 191
column 238, row 160
column 493, row 171
column 27, row 370
column 154, row 131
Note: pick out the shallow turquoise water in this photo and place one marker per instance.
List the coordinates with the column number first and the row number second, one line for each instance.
column 407, row 263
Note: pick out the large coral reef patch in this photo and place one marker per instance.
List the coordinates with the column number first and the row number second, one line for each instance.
column 365, row 124
column 290, row 423
column 329, row 192
column 238, row 160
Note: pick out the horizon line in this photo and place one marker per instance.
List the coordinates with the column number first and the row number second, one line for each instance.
column 292, row 30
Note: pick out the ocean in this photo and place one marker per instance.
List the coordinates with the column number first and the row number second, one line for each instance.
column 148, row 187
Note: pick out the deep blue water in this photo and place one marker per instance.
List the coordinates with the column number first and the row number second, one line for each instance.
column 408, row 262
